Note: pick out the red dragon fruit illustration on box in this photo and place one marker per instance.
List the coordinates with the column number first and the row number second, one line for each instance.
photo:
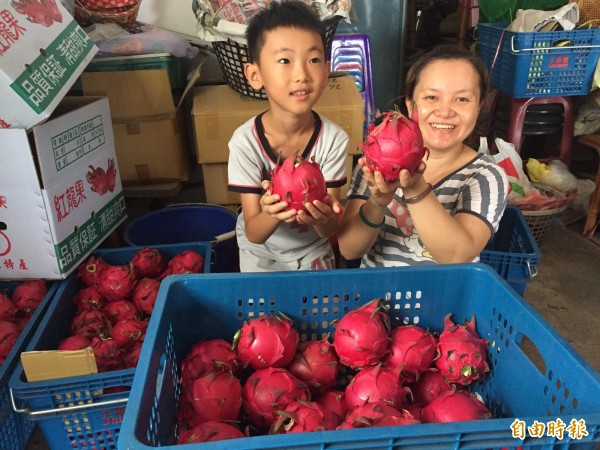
column 43, row 12
column 102, row 181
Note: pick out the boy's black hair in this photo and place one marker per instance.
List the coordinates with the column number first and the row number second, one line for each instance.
column 290, row 14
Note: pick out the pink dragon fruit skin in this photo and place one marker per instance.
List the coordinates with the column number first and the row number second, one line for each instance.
column 377, row 414
column 268, row 390
column 89, row 298
column 208, row 354
column 456, row 406
column 88, row 271
column 334, row 405
column 413, row 348
column 9, row 333
column 298, row 181
column 188, row 261
column 122, row 309
column 216, row 395
column 116, row 282
column 28, row 295
column 211, row 431
column 361, row 337
column 74, row 343
column 395, row 144
column 145, row 293
column 428, row 386
column 8, row 310
column 377, row 383
column 299, row 417
column 127, row 333
column 107, row 353
column 266, row 341
column 149, row 262
column 317, row 364
column 462, row 353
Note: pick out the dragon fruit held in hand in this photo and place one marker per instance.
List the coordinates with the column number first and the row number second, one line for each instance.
column 298, row 181
column 462, row 353
column 266, row 341
column 361, row 337
column 395, row 144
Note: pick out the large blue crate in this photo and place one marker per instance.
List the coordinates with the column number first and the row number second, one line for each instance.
column 82, row 412
column 190, row 308
column 539, row 64
column 15, row 430
column 513, row 251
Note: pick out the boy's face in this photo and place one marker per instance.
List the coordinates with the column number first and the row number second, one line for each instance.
column 292, row 68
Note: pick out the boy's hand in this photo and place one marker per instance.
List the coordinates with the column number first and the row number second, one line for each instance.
column 271, row 204
column 320, row 212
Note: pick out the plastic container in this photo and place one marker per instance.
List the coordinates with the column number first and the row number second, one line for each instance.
column 539, row 64
column 513, row 251
column 15, row 430
column 78, row 412
column 232, row 56
column 190, row 308
column 190, row 223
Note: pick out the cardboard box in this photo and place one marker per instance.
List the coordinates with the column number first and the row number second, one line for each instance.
column 219, row 110
column 41, row 55
column 51, row 217
column 215, row 183
column 149, row 129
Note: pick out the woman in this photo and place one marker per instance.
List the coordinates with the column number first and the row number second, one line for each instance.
column 449, row 209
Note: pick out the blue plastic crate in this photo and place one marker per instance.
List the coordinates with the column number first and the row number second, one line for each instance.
column 190, row 308
column 539, row 64
column 15, row 430
column 95, row 415
column 513, row 251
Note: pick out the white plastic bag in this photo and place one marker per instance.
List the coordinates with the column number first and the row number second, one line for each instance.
column 554, row 174
column 508, row 158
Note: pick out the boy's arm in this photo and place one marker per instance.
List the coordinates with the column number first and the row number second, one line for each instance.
column 262, row 215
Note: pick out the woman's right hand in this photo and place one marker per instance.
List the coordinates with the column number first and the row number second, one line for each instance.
column 272, row 205
column 382, row 192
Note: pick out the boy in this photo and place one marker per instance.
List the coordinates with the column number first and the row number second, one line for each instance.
column 286, row 46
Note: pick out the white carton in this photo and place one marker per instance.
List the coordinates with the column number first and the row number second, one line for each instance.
column 42, row 52
column 60, row 190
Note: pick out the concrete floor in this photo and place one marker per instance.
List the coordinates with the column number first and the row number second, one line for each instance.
column 566, row 292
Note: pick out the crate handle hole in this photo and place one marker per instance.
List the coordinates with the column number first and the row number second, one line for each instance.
column 530, row 350
column 161, row 374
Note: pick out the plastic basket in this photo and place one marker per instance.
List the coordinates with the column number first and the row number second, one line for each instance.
column 122, row 15
column 232, row 56
column 539, row 64
column 513, row 251
column 191, row 308
column 78, row 412
column 15, row 430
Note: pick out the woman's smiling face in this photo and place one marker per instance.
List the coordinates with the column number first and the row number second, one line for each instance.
column 448, row 100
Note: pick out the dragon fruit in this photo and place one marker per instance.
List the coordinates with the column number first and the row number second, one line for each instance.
column 462, row 353
column 317, row 364
column 298, row 181
column 206, row 355
column 456, row 406
column 28, row 295
column 209, row 432
column 91, row 323
column 361, row 337
column 268, row 390
column 188, row 261
column 266, row 341
column 149, row 262
column 132, row 356
column 128, row 333
column 122, row 309
column 428, row 386
column 108, row 354
column 395, row 144
column 377, row 414
column 299, row 417
column 89, row 271
column 74, row 343
column 413, row 348
column 8, row 310
column 117, row 282
column 334, row 406
column 215, row 395
column 89, row 298
column 111, row 175
column 144, row 294
column 9, row 333
column 377, row 383
column 96, row 177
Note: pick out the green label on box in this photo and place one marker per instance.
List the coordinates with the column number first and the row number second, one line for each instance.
column 90, row 234
column 42, row 80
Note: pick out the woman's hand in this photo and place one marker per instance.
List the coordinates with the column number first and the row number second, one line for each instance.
column 271, row 204
column 382, row 192
column 412, row 184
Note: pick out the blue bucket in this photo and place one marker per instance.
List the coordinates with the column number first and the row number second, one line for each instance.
column 189, row 223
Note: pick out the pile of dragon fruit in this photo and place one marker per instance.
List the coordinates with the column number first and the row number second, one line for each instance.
column 114, row 304
column 15, row 311
column 268, row 382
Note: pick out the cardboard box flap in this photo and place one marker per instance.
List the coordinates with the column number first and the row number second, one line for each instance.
column 53, row 364
column 133, row 94
column 17, row 169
